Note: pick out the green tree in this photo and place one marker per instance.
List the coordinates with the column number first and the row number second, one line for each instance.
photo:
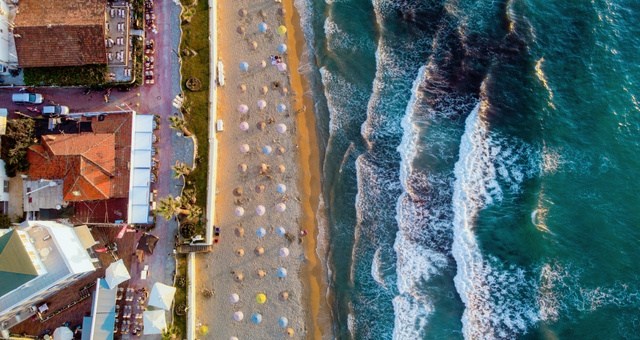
column 181, row 169
column 170, row 206
column 178, row 123
column 20, row 135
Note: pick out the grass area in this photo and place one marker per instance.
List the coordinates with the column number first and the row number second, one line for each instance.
column 180, row 321
column 89, row 75
column 195, row 37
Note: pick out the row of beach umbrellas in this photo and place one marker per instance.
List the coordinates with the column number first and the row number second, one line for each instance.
column 261, row 210
column 262, row 104
column 263, row 28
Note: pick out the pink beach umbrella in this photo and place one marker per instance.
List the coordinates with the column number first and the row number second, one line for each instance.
column 281, row 128
column 281, row 207
column 262, row 104
column 281, row 67
column 244, row 126
column 239, row 211
column 260, row 210
column 234, row 298
column 244, row 148
column 242, row 108
column 283, row 252
column 238, row 316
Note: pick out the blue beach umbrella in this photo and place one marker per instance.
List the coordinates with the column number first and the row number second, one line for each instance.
column 281, row 272
column 261, row 232
column 283, row 322
column 244, row 66
column 281, row 108
column 267, row 150
column 280, row 231
column 263, row 27
column 281, row 188
column 282, row 48
column 256, row 318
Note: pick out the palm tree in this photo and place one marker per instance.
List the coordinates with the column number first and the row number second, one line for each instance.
column 194, row 212
column 189, row 196
column 178, row 123
column 170, row 206
column 181, row 169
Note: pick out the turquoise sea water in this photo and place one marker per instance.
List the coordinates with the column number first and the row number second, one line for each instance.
column 481, row 166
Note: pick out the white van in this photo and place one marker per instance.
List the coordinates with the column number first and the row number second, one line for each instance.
column 27, row 98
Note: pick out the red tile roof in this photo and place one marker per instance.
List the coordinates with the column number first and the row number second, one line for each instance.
column 85, row 162
column 60, row 33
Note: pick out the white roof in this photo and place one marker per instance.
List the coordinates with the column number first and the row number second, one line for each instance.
column 140, row 182
column 71, row 249
column 161, row 296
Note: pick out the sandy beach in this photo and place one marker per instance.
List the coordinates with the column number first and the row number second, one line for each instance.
column 267, row 185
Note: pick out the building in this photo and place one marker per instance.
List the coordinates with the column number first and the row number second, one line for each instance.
column 8, row 57
column 101, row 323
column 106, row 171
column 60, row 33
column 36, row 261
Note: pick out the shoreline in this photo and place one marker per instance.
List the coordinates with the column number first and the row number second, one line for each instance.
column 313, row 274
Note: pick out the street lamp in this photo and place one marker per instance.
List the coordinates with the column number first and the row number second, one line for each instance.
column 51, row 184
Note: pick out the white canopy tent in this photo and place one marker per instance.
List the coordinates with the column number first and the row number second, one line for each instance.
column 62, row 333
column 161, row 296
column 154, row 321
column 116, row 274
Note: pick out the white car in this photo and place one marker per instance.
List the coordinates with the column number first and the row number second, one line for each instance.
column 55, row 110
column 27, row 98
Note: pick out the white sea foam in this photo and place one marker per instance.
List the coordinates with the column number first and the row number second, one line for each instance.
column 412, row 315
column 376, row 270
column 338, row 39
column 344, row 100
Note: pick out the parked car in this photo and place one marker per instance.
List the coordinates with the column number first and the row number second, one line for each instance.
column 27, row 98
column 55, row 110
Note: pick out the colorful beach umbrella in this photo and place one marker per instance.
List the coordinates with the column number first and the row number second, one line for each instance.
column 261, row 298
column 260, row 210
column 244, row 148
column 263, row 27
column 281, row 107
column 281, row 67
column 283, row 252
column 281, row 48
column 243, row 108
column 239, row 211
column 280, row 231
column 281, row 128
column 281, row 207
column 281, row 30
column 238, row 316
column 244, row 126
column 256, row 318
column 262, row 104
column 283, row 322
column 244, row 66
column 281, row 272
column 267, row 150
column 281, row 188
column 234, row 298
column 261, row 232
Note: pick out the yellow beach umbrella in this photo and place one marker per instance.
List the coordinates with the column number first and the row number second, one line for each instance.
column 281, row 30
column 261, row 298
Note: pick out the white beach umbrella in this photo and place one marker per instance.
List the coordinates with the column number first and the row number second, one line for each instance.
column 267, row 150
column 244, row 66
column 243, row 108
column 244, row 126
column 62, row 333
column 238, row 316
column 116, row 274
column 260, row 210
column 281, row 108
column 281, row 188
column 281, row 207
column 281, row 128
column 262, row 104
column 239, row 211
column 161, row 296
column 234, row 298
column 282, row 48
column 283, row 252
column 283, row 322
column 233, row 338
column 281, row 67
column 154, row 321
column 263, row 27
column 261, row 232
column 244, row 148
column 280, row 231
column 281, row 272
